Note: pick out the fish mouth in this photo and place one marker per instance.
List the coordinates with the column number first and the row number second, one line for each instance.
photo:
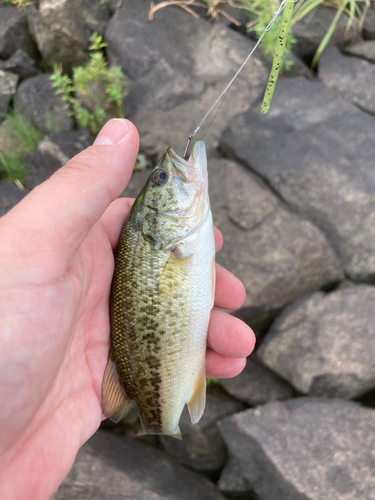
column 192, row 169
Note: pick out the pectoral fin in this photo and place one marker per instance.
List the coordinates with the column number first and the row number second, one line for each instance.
column 197, row 403
column 174, row 273
column 115, row 402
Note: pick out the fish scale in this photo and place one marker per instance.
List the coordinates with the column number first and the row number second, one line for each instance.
column 161, row 298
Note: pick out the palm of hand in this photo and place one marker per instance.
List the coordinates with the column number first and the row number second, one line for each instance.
column 60, row 378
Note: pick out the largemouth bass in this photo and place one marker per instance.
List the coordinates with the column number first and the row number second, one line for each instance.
column 161, row 299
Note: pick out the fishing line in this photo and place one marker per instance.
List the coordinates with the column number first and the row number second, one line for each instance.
column 267, row 28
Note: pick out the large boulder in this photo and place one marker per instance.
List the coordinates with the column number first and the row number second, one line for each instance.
column 363, row 49
column 60, row 25
column 8, row 87
column 232, row 483
column 316, row 150
column 325, row 344
column 352, row 77
column 114, row 468
column 277, row 255
column 305, row 449
column 14, row 33
column 257, row 385
column 179, row 65
column 37, row 102
column 20, row 64
column 311, row 29
column 202, row 447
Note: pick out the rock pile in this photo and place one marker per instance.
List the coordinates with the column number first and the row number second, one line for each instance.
column 293, row 193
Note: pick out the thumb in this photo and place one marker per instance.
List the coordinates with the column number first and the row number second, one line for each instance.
column 57, row 215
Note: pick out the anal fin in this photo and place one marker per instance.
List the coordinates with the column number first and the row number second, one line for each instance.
column 115, row 402
column 197, row 403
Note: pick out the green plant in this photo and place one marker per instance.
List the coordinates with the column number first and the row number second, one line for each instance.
column 355, row 9
column 211, row 381
column 94, row 93
column 26, row 138
column 260, row 13
column 21, row 4
column 11, row 170
column 23, row 130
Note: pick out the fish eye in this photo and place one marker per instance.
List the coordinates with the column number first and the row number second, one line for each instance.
column 160, row 177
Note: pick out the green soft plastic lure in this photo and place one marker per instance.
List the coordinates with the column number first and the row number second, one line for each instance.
column 278, row 55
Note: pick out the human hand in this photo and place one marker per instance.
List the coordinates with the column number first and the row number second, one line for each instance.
column 56, row 265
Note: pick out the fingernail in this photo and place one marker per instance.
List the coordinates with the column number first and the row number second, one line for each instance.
column 112, row 132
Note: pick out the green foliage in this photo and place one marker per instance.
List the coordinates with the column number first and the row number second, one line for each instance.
column 11, row 170
column 21, row 4
column 95, row 92
column 27, row 137
column 355, row 9
column 23, row 130
column 211, row 381
column 260, row 13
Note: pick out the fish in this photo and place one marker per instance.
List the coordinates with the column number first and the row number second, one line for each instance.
column 161, row 298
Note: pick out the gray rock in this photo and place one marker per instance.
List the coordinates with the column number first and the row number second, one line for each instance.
column 305, row 449
column 324, row 345
column 49, row 44
column 352, row 77
column 114, row 468
column 20, row 64
column 179, row 66
column 277, row 255
column 62, row 24
column 369, row 24
column 14, row 33
column 202, row 447
column 52, row 153
column 37, row 102
column 257, row 385
column 311, row 29
column 363, row 49
column 232, row 483
column 72, row 142
column 316, row 150
column 8, row 87
column 297, row 69
column 10, row 195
